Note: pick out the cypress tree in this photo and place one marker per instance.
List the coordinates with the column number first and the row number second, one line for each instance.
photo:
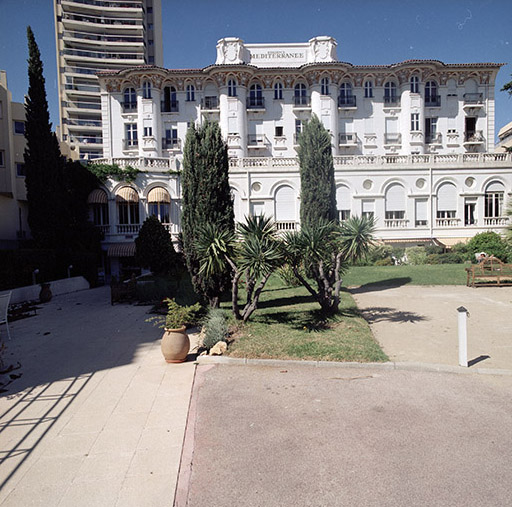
column 43, row 161
column 206, row 199
column 318, row 190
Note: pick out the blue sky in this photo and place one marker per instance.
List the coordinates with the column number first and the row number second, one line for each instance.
column 368, row 32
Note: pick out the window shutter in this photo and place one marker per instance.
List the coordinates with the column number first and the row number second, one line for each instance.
column 368, row 206
column 421, row 209
column 395, row 198
column 495, row 186
column 343, row 198
column 447, row 198
column 285, row 204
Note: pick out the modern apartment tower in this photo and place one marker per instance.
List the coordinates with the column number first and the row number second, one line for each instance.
column 95, row 35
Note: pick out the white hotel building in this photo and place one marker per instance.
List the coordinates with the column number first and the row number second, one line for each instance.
column 413, row 142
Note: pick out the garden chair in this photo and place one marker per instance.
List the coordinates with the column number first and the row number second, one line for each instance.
column 4, row 308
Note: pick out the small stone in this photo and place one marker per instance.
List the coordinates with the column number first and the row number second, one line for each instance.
column 218, row 349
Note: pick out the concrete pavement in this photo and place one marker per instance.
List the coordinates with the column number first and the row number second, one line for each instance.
column 329, row 436
column 97, row 417
column 419, row 324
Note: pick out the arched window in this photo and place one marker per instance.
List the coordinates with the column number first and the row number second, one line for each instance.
column 415, row 84
column 170, row 102
column 431, row 97
column 494, row 193
column 191, row 93
column 343, row 200
column 159, row 202
column 390, row 93
column 284, row 211
column 146, row 90
column 255, row 96
column 324, row 86
column 395, row 202
column 127, row 201
column 130, row 99
column 300, row 95
column 346, row 97
column 368, row 89
column 446, row 201
column 98, row 205
column 231, row 88
column 278, row 91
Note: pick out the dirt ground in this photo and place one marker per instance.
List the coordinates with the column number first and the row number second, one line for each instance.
column 419, row 323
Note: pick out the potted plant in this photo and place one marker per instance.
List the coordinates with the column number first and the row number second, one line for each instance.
column 175, row 341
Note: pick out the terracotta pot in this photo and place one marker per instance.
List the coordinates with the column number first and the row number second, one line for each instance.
column 175, row 345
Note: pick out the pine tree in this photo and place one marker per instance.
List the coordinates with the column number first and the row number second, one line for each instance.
column 318, row 190
column 206, row 199
column 43, row 161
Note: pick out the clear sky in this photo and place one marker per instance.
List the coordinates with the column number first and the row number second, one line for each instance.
column 367, row 31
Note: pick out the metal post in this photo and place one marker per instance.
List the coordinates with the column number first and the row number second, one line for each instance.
column 463, row 336
column 34, row 273
column 69, row 270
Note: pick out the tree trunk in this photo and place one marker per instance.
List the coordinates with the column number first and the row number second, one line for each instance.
column 248, row 310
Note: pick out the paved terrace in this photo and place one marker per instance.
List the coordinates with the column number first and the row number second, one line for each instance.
column 97, row 417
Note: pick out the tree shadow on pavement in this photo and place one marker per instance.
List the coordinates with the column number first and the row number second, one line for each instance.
column 375, row 314
column 389, row 283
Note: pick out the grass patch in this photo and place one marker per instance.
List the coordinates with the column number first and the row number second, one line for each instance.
column 424, row 274
column 288, row 325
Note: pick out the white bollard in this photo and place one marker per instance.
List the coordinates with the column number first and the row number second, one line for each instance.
column 463, row 336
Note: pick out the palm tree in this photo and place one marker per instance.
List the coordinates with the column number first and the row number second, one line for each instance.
column 253, row 253
column 324, row 250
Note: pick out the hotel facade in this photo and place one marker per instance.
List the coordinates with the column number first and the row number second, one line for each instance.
column 413, row 142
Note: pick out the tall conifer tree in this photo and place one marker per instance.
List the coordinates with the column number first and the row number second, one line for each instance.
column 43, row 161
column 206, row 199
column 318, row 190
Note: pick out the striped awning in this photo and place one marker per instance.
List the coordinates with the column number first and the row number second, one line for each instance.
column 121, row 250
column 97, row 196
column 449, row 242
column 159, row 194
column 127, row 194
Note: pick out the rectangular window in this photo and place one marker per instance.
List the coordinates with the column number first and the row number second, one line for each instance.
column 421, row 209
column 2, row 161
column 1, row 111
column 343, row 214
column 131, row 134
column 20, row 169
column 279, row 131
column 148, row 131
column 446, row 214
column 19, row 127
column 368, row 208
column 493, row 204
column 395, row 215
column 368, row 90
column 415, row 121
column 430, row 129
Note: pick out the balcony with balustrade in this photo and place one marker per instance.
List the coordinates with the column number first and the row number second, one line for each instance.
column 347, row 140
column 347, row 102
column 256, row 141
column 170, row 106
column 301, row 103
column 255, row 103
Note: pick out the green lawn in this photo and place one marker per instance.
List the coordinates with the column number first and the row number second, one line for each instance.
column 426, row 274
column 287, row 325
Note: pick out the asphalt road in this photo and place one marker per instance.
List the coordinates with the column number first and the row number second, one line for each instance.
column 330, row 436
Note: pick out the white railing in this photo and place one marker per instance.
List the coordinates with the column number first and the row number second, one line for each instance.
column 105, row 229
column 128, row 228
column 172, row 228
column 288, row 225
column 396, row 223
column 447, row 222
column 141, row 163
column 496, row 221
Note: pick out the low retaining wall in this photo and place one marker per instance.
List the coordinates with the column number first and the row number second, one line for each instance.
column 64, row 286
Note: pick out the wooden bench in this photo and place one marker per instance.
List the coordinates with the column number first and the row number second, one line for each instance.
column 489, row 271
column 21, row 310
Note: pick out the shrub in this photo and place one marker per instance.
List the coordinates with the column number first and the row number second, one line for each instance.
column 380, row 252
column 287, row 276
column 416, row 255
column 434, row 249
column 489, row 242
column 388, row 261
column 216, row 329
column 445, row 258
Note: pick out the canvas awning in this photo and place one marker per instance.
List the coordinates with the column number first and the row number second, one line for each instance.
column 127, row 194
column 449, row 242
column 159, row 194
column 97, row 196
column 121, row 250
